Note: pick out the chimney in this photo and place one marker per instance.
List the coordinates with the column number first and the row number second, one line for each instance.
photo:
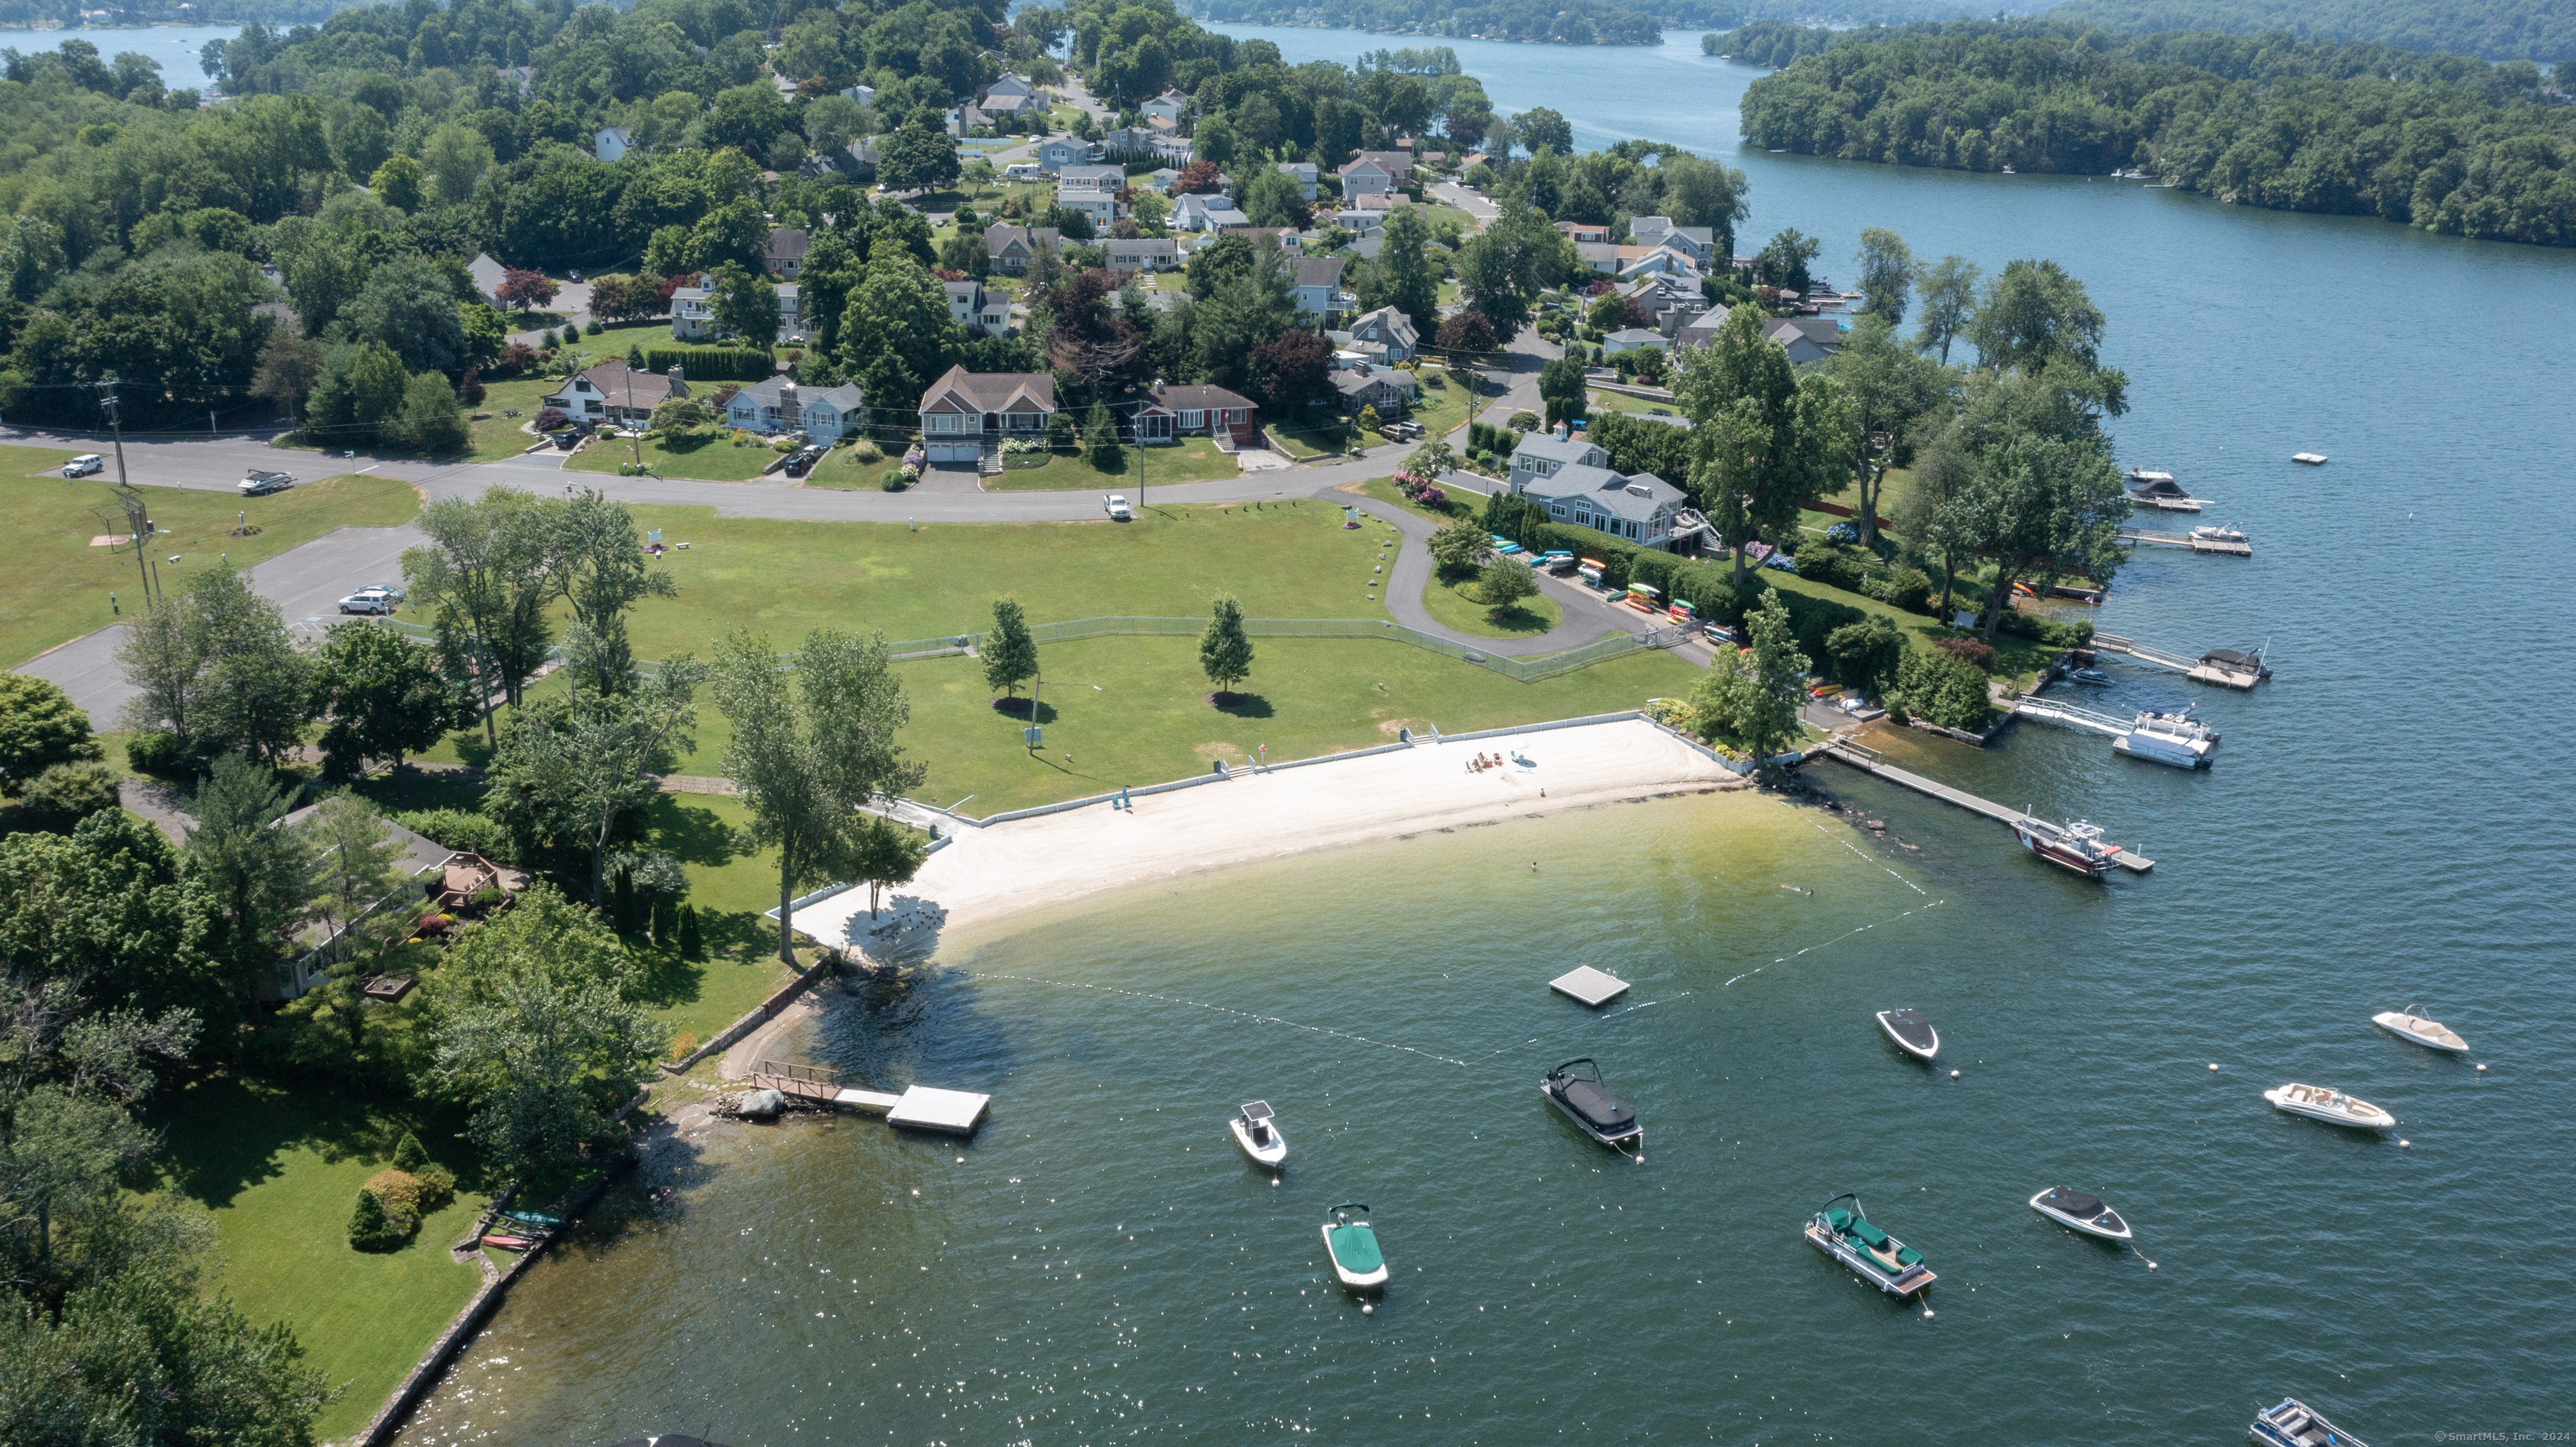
column 678, row 378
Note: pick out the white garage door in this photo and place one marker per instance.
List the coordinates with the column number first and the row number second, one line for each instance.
column 953, row 451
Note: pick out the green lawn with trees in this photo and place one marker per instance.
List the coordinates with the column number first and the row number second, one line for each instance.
column 717, row 460
column 1460, row 605
column 1194, row 459
column 54, row 586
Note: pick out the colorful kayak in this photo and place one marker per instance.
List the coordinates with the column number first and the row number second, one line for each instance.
column 510, row 1243
column 532, row 1218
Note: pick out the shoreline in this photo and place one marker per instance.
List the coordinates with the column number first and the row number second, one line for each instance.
column 992, row 873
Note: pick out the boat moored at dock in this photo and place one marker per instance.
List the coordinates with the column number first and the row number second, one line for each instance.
column 2076, row 847
column 1872, row 1254
column 2080, row 1211
column 2174, row 738
column 2293, row 1423
column 1576, row 1089
column 2333, row 1107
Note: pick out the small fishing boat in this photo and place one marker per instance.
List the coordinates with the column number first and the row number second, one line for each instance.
column 532, row 1218
column 2296, row 1424
column 2331, row 1106
column 2431, row 1034
column 1258, row 1134
column 2091, row 677
column 1576, row 1089
column 1912, row 1033
column 2312, row 459
column 2077, row 846
column 2168, row 738
column 2080, row 1211
column 510, row 1243
column 1357, row 1263
column 1872, row 1254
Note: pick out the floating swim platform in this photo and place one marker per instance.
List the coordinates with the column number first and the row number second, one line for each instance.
column 1589, row 986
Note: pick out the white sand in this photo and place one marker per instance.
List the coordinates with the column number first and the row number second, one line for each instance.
column 993, row 872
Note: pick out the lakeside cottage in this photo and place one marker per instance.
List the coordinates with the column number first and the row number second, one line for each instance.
column 1171, row 413
column 1014, row 247
column 965, row 413
column 1572, row 479
column 779, row 405
column 611, row 395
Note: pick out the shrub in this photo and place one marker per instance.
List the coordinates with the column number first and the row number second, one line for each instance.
column 465, row 829
column 1829, row 563
column 370, row 1227
column 712, row 364
column 551, row 419
column 435, row 1187
column 893, row 481
column 65, row 794
column 1523, row 421
column 1909, row 589
column 2049, row 630
column 1866, row 653
column 690, row 944
column 865, row 451
column 157, row 753
column 1942, row 689
column 1975, row 652
column 409, row 1153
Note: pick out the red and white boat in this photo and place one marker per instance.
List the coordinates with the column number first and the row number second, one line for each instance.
column 2077, row 846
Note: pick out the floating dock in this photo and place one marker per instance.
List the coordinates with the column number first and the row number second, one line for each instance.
column 1589, row 986
column 2224, row 667
column 1868, row 761
column 950, row 1112
column 2230, row 547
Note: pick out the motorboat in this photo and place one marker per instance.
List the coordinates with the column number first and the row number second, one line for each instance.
column 2294, row 1423
column 1576, row 1089
column 1357, row 1263
column 1912, row 1033
column 1258, row 1134
column 2331, row 1106
column 2431, row 1034
column 2168, row 738
column 2092, row 677
column 2237, row 661
column 2077, row 846
column 2213, row 533
column 2312, row 459
column 1872, row 1254
column 2080, row 1211
column 2159, row 490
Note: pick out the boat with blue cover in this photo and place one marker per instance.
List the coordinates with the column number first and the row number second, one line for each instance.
column 2294, row 1423
column 1872, row 1254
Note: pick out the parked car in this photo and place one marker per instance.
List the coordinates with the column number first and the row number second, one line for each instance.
column 804, row 460
column 367, row 600
column 258, row 482
column 84, row 465
column 1115, row 504
column 394, row 591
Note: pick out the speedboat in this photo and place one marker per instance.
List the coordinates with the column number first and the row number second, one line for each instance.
column 2296, row 1424
column 2431, row 1034
column 2080, row 1211
column 2213, row 533
column 2331, row 1106
column 2168, row 738
column 1357, row 1263
column 1872, row 1254
column 2093, row 676
column 1259, row 1135
column 2077, row 846
column 1912, row 1033
column 1576, row 1089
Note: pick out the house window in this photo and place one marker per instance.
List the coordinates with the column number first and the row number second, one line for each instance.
column 1556, row 509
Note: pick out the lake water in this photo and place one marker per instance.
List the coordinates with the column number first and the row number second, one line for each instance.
column 2388, row 823
column 175, row 46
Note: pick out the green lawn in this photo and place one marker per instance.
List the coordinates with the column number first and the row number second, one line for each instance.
column 1459, row 607
column 1620, row 402
column 844, row 469
column 281, row 1167
column 2016, row 658
column 497, row 434
column 730, row 887
column 1441, row 409
column 718, row 461
column 1194, row 459
column 1462, row 504
column 54, row 586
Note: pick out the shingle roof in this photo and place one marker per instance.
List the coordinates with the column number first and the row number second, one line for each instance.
column 1573, row 451
column 788, row 243
column 1316, row 271
column 1199, row 399
column 651, row 389
column 990, row 391
column 1637, row 336
column 1633, row 497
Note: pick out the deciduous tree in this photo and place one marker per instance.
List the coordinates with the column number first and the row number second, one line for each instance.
column 1225, row 650
column 1949, row 300
column 1010, row 654
column 40, row 726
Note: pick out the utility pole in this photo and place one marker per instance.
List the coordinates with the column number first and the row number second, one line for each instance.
column 632, row 435
column 136, row 523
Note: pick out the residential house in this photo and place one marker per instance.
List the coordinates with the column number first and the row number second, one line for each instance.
column 1163, row 179
column 1093, row 191
column 1390, row 391
column 1584, row 233
column 865, row 95
column 693, row 311
column 965, row 121
column 856, row 160
column 1662, row 259
column 488, row 276
column 1664, row 301
column 1573, row 480
column 1171, row 413
column 1376, row 173
column 978, row 310
column 520, row 76
column 1130, row 140
column 1700, row 330
column 1012, row 95
column 1171, row 106
column 610, row 395
column 1699, row 243
column 1196, row 212
column 613, row 143
column 1057, row 152
column 1389, row 329
column 964, row 412
column 779, row 405
column 1152, row 253
column 1316, row 283
column 1367, row 211
column 1630, row 339
column 786, row 251
column 1290, row 239
column 1014, row 247
column 791, row 312
column 1308, row 175
column 1808, row 339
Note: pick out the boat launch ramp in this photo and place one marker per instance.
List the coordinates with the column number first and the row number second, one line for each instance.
column 1870, row 761
column 920, row 1107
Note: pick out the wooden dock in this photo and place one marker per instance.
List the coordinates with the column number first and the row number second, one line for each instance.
column 2202, row 670
column 2229, row 548
column 1868, row 761
column 951, row 1112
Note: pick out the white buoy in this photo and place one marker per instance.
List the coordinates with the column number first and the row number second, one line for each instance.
column 1368, row 1308
column 1927, row 1313
column 2482, row 1070
column 1954, row 1075
column 2401, row 1145
column 2213, row 1065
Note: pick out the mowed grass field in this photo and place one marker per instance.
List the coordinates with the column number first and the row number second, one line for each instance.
column 1194, row 459
column 54, row 586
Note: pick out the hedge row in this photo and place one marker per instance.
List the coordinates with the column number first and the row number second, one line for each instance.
column 712, row 364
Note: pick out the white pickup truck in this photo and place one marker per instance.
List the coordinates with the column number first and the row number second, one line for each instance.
column 1115, row 504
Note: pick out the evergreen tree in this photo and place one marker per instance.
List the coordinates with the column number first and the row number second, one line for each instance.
column 691, row 945
column 621, row 908
column 1100, row 438
column 370, row 1229
column 1225, row 650
column 409, row 1155
column 1010, row 654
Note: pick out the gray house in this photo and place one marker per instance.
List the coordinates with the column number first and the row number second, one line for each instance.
column 1573, row 481
column 778, row 405
column 1057, row 152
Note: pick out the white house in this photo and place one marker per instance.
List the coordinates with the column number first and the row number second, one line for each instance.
column 1171, row 106
column 1012, row 95
column 1375, row 173
column 693, row 312
column 1307, row 175
column 613, row 143
column 610, row 394
column 976, row 309
column 1699, row 243
column 791, row 311
column 1574, row 482
column 1198, row 212
column 1093, row 191
column 1144, row 253
column 1631, row 339
column 779, row 405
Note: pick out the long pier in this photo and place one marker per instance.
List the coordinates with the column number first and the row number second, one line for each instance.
column 1869, row 761
column 2235, row 548
column 2205, row 669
